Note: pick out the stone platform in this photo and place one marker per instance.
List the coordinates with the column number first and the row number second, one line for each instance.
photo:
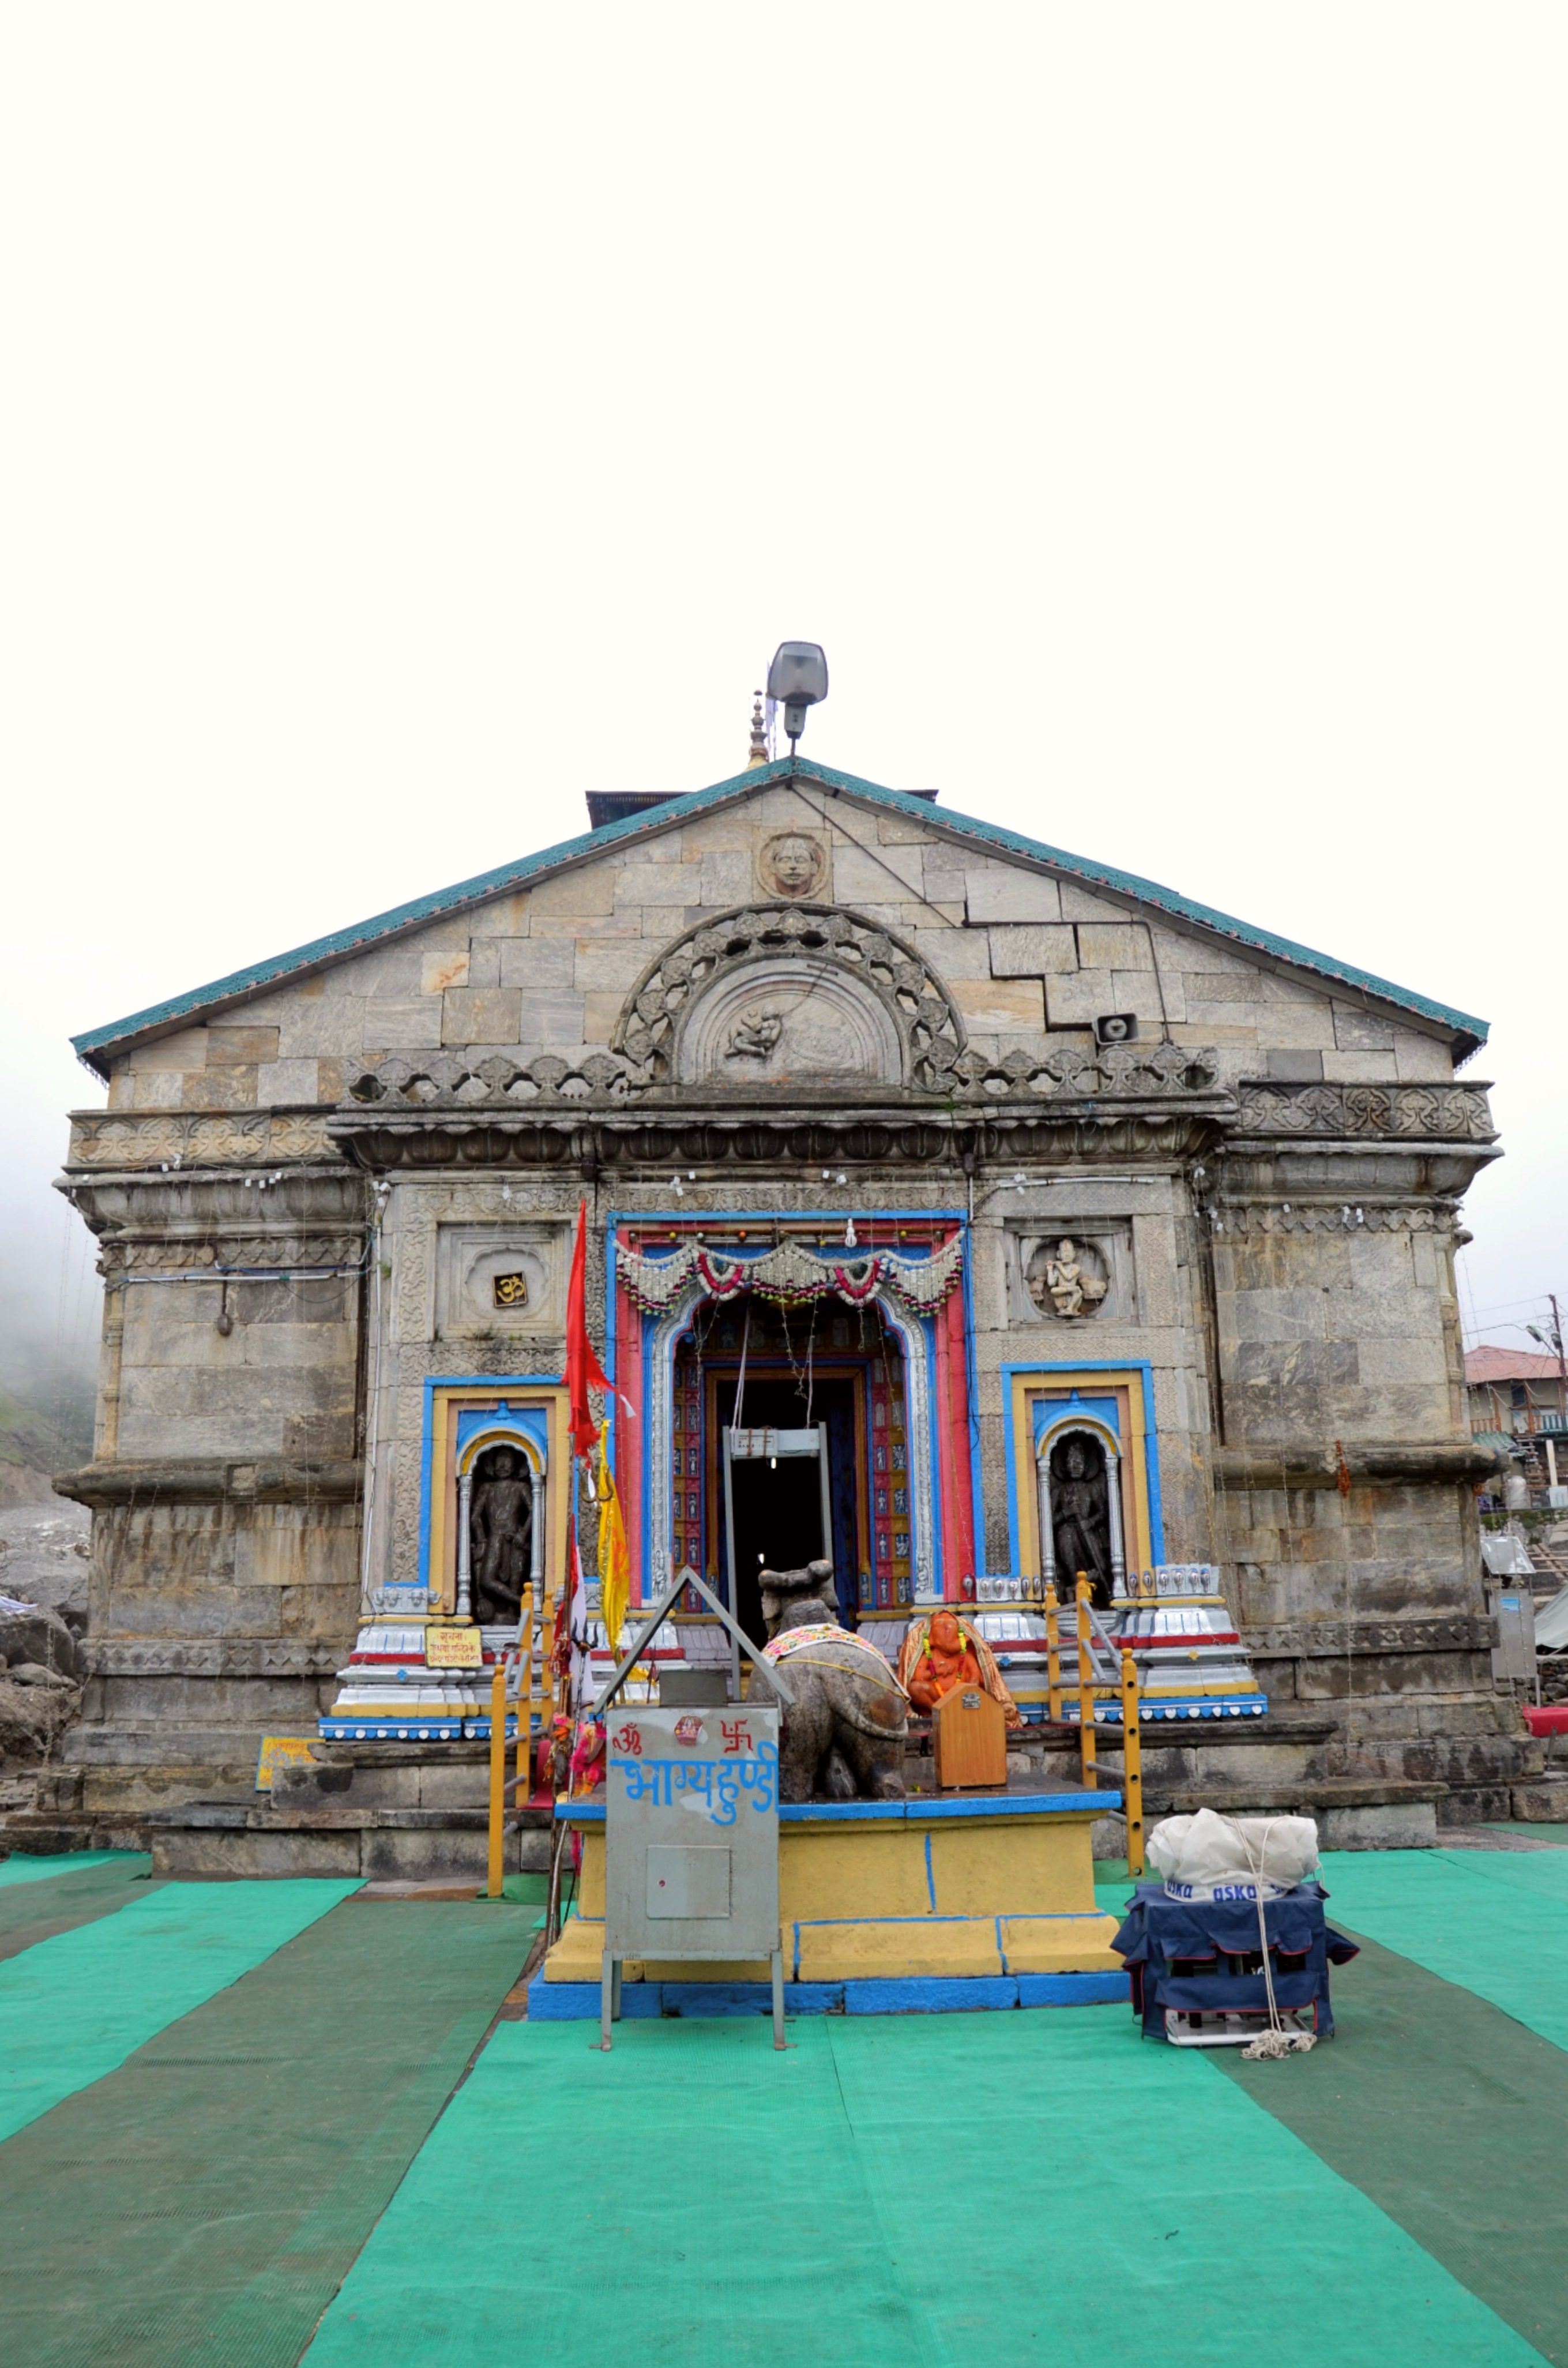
column 1265, row 1767
column 939, row 1900
column 386, row 1811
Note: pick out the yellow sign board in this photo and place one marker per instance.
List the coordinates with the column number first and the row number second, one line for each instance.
column 277, row 1751
column 453, row 1648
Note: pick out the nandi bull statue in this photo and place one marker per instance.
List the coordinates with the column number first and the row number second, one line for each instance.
column 843, row 1734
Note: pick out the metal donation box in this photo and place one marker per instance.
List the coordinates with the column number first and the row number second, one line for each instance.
column 691, row 1842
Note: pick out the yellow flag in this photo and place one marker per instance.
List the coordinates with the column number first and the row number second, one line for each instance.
column 614, row 1568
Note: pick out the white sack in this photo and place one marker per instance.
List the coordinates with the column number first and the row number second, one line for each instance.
column 1209, row 1857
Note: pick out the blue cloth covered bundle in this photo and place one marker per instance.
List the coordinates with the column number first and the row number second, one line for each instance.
column 1202, row 1956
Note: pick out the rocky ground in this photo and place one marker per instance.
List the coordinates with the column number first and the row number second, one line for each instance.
column 43, row 1619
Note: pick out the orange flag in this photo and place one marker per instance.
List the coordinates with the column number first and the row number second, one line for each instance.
column 584, row 1372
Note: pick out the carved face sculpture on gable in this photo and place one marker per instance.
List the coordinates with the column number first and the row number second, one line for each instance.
column 792, row 865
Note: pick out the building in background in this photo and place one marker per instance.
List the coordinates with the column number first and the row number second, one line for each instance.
column 1520, row 1398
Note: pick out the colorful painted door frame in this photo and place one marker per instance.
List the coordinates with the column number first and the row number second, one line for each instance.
column 938, row 1381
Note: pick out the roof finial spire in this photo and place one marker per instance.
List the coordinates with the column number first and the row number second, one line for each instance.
column 758, row 755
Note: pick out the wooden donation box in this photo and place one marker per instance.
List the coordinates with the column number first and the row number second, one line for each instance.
column 968, row 1734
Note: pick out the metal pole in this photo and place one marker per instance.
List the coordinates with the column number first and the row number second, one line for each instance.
column 498, row 1776
column 528, row 1698
column 527, row 1613
column 1562, row 1359
column 1086, row 1689
column 1132, row 1765
column 1053, row 1657
column 730, row 1544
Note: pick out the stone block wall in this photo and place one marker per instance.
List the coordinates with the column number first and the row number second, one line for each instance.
column 1286, row 1245
column 1029, row 960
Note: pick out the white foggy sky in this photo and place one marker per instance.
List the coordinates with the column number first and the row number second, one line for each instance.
column 415, row 418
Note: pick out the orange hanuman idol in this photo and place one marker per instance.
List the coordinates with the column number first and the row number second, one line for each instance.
column 947, row 1661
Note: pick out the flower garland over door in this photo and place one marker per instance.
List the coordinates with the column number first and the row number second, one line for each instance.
column 792, row 1275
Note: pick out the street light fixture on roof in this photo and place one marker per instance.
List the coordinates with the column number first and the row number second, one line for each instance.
column 798, row 677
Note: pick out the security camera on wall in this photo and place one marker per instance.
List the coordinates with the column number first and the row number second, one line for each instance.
column 1117, row 1027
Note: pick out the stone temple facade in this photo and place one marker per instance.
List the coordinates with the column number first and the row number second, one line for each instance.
column 1097, row 1164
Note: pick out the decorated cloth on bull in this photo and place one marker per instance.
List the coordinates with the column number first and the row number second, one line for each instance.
column 917, row 1644
column 866, row 1660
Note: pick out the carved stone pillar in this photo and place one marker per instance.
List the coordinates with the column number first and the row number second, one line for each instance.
column 465, row 1547
column 535, row 1527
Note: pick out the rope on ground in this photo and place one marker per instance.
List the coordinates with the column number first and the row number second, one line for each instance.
column 1276, row 2042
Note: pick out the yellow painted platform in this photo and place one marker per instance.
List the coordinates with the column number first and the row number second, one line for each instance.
column 933, row 1886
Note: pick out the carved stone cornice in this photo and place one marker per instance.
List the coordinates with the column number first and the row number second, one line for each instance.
column 230, row 1252
column 1323, row 1640
column 1245, row 1218
column 451, row 1081
column 267, row 1656
column 1436, row 1113
column 155, row 1139
column 447, row 1080
column 742, row 1138
column 213, row 1479
column 198, row 1220
column 1389, row 1463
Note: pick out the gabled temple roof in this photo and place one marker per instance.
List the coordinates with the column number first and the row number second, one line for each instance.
column 98, row 1045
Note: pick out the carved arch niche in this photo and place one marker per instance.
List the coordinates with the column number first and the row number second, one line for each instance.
column 777, row 995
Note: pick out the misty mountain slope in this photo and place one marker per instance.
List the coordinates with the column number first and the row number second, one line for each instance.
column 41, row 1433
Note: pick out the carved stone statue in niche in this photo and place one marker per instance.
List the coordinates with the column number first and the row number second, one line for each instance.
column 1080, row 1512
column 1064, row 1281
column 753, row 1036
column 500, row 1535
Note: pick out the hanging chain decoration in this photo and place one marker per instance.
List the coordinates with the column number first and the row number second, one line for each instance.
column 792, row 1275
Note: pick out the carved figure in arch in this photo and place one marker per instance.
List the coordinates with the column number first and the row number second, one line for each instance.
column 854, row 999
column 753, row 1036
column 500, row 1536
column 1080, row 1510
column 1058, row 1279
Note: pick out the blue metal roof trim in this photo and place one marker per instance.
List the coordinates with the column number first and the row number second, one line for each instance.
column 528, row 868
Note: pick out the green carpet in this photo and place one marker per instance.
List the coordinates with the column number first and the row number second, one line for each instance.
column 1451, row 2116
column 30, row 1912
column 944, row 2191
column 1494, row 1921
column 73, row 2007
column 21, row 1867
column 201, row 2203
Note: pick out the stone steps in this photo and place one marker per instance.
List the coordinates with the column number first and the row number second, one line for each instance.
column 49, row 1833
column 217, row 1838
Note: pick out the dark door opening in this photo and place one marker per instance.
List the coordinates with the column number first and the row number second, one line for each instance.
column 778, row 1507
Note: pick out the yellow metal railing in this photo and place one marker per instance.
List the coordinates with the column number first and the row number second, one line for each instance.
column 1087, row 1687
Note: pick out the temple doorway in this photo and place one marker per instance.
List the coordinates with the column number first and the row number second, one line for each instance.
column 781, row 1522
column 828, row 1364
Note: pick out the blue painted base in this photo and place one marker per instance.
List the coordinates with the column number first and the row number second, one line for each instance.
column 579, row 2001
column 1150, row 1712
